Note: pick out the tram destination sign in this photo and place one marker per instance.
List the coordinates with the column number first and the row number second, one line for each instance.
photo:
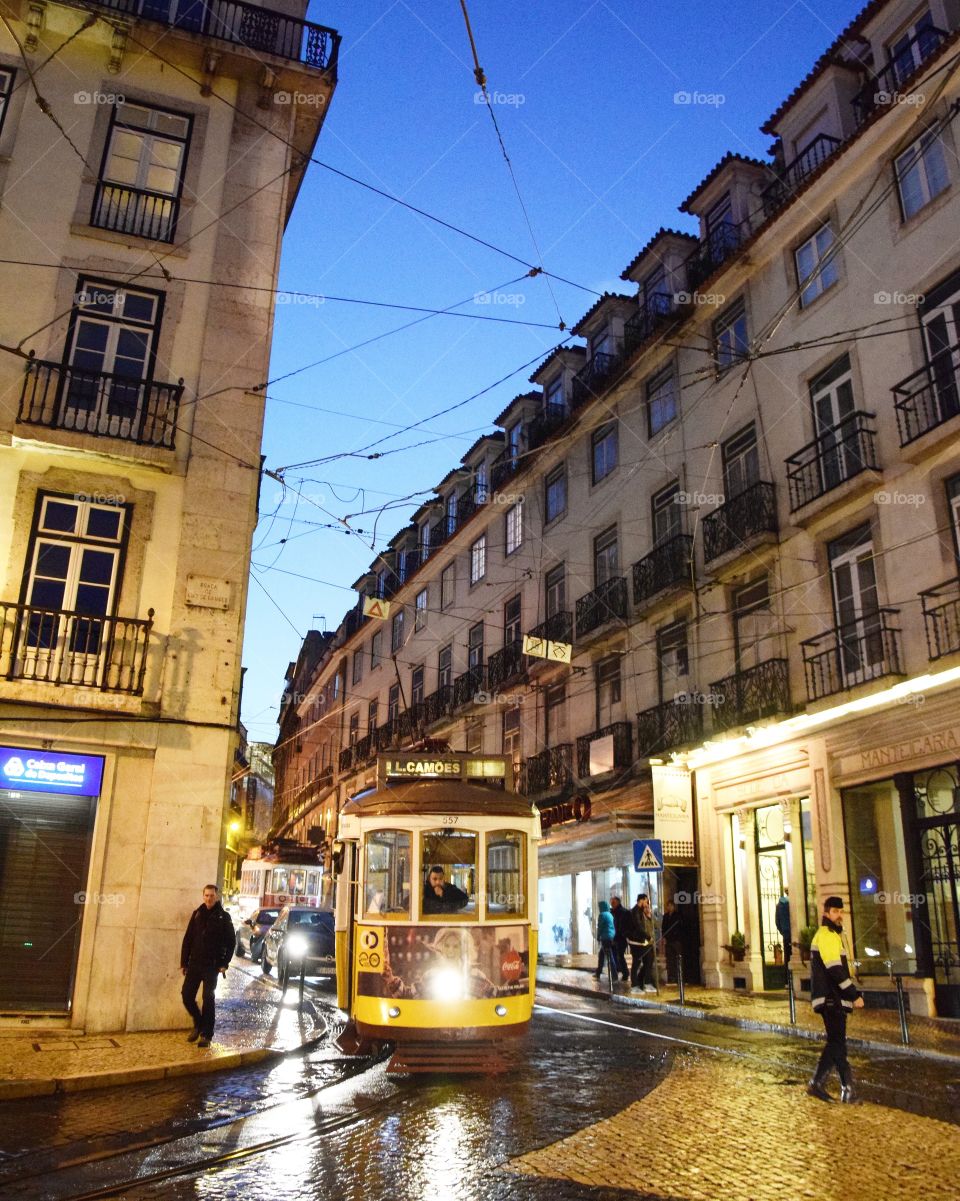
column 426, row 766
column 27, row 770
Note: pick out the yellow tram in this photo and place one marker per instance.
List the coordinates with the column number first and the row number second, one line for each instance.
column 436, row 911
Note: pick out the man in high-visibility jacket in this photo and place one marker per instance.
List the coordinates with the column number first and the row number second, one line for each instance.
column 833, row 994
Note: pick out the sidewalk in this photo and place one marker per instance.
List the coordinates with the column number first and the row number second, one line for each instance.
column 252, row 1025
column 878, row 1028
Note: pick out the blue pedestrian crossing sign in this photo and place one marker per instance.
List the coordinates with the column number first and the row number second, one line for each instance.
column 648, row 854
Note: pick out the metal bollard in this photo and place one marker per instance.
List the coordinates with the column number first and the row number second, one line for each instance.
column 791, row 997
column 902, row 1007
column 680, row 976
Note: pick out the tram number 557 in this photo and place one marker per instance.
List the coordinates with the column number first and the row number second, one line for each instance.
column 450, row 819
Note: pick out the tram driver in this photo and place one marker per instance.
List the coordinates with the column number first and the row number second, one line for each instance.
column 440, row 896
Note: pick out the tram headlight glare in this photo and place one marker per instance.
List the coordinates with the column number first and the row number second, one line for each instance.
column 296, row 946
column 500, row 1011
column 393, row 1011
column 447, row 985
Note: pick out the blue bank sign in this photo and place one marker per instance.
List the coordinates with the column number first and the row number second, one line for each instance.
column 50, row 771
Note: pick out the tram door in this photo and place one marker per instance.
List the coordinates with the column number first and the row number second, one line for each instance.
column 771, row 878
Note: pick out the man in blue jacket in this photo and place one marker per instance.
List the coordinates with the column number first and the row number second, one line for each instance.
column 833, row 995
column 207, row 948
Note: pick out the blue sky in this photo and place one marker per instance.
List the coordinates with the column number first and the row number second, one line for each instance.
column 586, row 95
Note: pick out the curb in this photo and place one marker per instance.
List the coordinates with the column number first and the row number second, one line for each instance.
column 691, row 1011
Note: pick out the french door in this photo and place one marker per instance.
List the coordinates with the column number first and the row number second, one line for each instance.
column 860, row 646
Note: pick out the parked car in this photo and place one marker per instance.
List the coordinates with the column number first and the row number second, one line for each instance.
column 252, row 932
column 301, row 936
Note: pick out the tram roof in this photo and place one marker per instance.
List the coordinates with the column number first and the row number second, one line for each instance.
column 428, row 797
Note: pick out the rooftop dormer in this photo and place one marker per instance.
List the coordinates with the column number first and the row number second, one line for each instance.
column 728, row 205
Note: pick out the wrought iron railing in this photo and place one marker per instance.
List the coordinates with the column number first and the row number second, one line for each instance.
column 885, row 88
column 550, row 418
column 61, row 646
column 731, row 527
column 929, row 397
column 671, row 724
column 851, row 654
column 622, row 734
column 441, row 531
column 261, row 29
column 759, row 691
column 606, row 603
column 720, row 244
column 798, row 170
column 549, row 771
column 127, row 210
column 654, row 311
column 100, row 402
column 505, row 665
column 345, row 759
column 941, row 617
column 558, row 628
column 438, row 705
column 467, row 685
column 595, row 376
column 669, row 565
column 836, row 455
column 504, row 467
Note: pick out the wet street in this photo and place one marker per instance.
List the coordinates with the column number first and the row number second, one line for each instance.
column 604, row 1102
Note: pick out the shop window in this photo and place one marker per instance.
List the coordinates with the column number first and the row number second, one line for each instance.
column 506, row 874
column 387, row 874
column 449, row 886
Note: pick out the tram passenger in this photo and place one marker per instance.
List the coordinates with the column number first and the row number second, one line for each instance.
column 440, row 896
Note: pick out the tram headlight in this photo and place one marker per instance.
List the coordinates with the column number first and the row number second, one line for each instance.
column 446, row 985
column 296, row 946
column 500, row 1011
column 393, row 1011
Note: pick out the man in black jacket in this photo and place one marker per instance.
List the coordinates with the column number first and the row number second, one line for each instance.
column 439, row 895
column 833, row 994
column 207, row 949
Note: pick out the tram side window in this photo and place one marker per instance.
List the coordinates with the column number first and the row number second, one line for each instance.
column 506, row 874
column 313, row 884
column 449, row 859
column 386, row 884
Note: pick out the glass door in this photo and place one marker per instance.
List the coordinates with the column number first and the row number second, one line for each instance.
column 771, row 881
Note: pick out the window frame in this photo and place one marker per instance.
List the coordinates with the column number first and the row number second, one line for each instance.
column 558, row 476
column 504, row 914
column 363, row 893
column 603, row 460
column 357, row 666
column 448, row 585
column 727, row 356
column 610, row 537
column 824, row 272
column 656, row 383
column 6, row 91
column 420, row 610
column 396, row 632
column 376, row 649
column 461, row 915
column 918, row 150
column 513, row 529
column 478, row 559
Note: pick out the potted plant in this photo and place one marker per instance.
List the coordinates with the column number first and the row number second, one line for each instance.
column 738, row 946
column 805, row 938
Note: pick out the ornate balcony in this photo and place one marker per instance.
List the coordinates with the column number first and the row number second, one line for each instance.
column 884, row 88
column 595, row 376
column 127, row 210
column 722, row 242
column 505, row 666
column 852, row 654
column 441, row 532
column 622, row 735
column 262, row 30
column 466, row 687
column 672, row 724
column 798, row 170
column 438, row 706
column 644, row 323
column 504, row 467
column 558, row 628
column 468, row 504
column 603, row 604
column 545, row 424
column 941, row 617
column 550, row 771
column 345, row 759
column 751, row 694
column 669, row 565
column 833, row 457
column 61, row 646
column 739, row 520
column 101, row 403
column 929, row 397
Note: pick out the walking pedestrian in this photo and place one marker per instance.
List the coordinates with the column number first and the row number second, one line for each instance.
column 640, row 940
column 671, row 931
column 606, row 933
column 207, row 948
column 833, row 995
column 781, row 919
column 620, row 935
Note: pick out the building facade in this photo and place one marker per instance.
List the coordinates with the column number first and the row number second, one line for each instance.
column 144, row 195
column 736, row 500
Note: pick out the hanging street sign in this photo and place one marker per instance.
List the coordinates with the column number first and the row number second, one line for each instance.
column 374, row 607
column 648, row 854
column 543, row 648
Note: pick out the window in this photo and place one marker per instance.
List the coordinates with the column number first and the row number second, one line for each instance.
column 475, row 646
column 754, row 625
column 908, row 51
column 425, row 541
column 396, row 632
column 449, row 859
column 376, row 649
column 718, row 217
column 839, row 445
column 730, row 336
column 447, row 585
column 606, row 559
column 142, row 173
column 512, row 733
column 506, row 883
column 555, row 714
column 393, row 703
column 445, row 667
column 478, row 559
column 661, row 400
column 654, row 291
column 555, row 494
column 921, row 173
column 553, row 396
column 387, row 870
column 473, row 736
column 511, row 622
column 667, row 514
column 857, row 607
column 357, row 673
column 451, row 513
column 741, row 462
column 608, row 688
column 601, row 343
column 416, row 686
column 513, row 441
column 817, row 269
column 603, row 451
column 555, row 591
column 953, row 502
column 514, row 527
column 372, row 708
column 481, row 483
column 420, row 611
column 673, row 663
column 7, row 76
column 353, row 735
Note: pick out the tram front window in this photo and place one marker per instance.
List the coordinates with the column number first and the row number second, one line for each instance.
column 506, row 861
column 449, row 859
column 386, row 885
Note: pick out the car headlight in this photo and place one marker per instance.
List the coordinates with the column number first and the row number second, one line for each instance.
column 446, row 985
column 296, row 946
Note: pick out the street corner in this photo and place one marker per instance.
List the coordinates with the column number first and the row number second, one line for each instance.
column 707, row 1130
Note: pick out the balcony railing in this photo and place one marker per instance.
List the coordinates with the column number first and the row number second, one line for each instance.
column 929, row 397
column 941, row 617
column 741, row 518
column 833, row 457
column 883, row 90
column 504, row 467
column 467, row 685
column 622, row 735
column 655, row 310
column 798, row 170
column 672, row 724
column 748, row 695
column 550, row 771
column 603, row 604
column 595, row 375
column 468, row 504
column 667, row 566
column 720, row 244
column 505, row 666
column 345, row 759
column 558, row 628
column 101, row 403
column 852, row 654
column 135, row 211
column 60, row 646
column 438, row 705
column 545, row 424
column 260, row 29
